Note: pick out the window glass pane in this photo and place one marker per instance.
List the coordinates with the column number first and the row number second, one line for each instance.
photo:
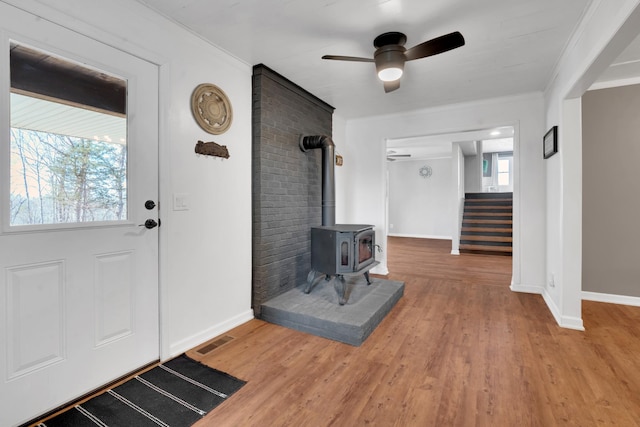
column 503, row 166
column 68, row 142
column 503, row 172
column 503, row 179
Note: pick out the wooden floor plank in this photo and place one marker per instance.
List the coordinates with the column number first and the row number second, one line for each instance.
column 458, row 349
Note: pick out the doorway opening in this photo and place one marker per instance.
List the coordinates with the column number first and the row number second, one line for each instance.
column 429, row 177
column 497, row 165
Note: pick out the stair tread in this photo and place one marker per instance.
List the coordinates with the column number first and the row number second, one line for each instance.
column 483, row 238
column 488, row 202
column 484, row 199
column 487, row 230
column 487, row 207
column 487, row 221
column 487, row 218
column 485, row 213
column 485, row 248
column 481, row 196
column 488, row 214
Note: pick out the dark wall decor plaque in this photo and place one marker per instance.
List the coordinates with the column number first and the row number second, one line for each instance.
column 211, row 108
column 550, row 142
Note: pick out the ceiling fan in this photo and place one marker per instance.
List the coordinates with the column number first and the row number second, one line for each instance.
column 390, row 54
column 392, row 156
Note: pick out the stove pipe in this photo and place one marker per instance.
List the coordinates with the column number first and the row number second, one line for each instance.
column 328, row 174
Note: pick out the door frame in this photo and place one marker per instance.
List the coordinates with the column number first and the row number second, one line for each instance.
column 516, row 256
column 162, row 66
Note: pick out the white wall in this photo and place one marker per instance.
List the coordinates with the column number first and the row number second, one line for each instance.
column 473, row 171
column 458, row 191
column 205, row 251
column 420, row 207
column 341, row 173
column 366, row 163
column 607, row 28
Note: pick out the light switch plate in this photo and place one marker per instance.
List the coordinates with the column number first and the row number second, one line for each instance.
column 180, row 201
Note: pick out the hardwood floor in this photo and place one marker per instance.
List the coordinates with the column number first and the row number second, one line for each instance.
column 459, row 349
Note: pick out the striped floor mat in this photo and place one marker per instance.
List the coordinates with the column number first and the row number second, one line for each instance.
column 177, row 393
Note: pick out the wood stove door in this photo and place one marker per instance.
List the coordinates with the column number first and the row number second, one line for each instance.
column 364, row 243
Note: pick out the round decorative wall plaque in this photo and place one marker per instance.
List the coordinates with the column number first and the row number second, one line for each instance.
column 211, row 108
column 425, row 171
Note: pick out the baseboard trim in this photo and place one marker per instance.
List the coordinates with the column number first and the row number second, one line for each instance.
column 195, row 340
column 527, row 289
column 553, row 308
column 611, row 298
column 568, row 322
column 380, row 269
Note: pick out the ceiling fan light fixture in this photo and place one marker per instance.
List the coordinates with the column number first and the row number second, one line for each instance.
column 390, row 74
column 390, row 63
column 390, row 54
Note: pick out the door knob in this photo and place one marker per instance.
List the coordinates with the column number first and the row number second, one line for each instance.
column 149, row 224
column 149, row 204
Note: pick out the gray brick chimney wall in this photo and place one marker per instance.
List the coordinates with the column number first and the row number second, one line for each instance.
column 287, row 189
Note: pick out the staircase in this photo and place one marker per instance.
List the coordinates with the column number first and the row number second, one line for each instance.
column 487, row 223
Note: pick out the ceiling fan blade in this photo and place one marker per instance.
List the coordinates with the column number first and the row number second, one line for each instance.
column 435, row 46
column 347, row 58
column 398, row 155
column 391, row 86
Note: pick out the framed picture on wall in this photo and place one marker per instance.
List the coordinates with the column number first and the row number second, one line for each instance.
column 487, row 164
column 550, row 142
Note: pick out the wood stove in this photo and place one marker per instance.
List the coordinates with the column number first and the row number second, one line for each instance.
column 339, row 250
column 336, row 249
column 342, row 248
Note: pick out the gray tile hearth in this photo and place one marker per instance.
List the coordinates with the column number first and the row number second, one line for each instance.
column 320, row 314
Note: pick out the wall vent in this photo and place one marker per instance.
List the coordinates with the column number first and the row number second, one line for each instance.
column 214, row 344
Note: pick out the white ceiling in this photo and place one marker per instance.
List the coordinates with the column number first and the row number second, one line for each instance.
column 624, row 70
column 512, row 46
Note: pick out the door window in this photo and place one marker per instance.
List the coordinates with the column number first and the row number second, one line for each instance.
column 68, row 161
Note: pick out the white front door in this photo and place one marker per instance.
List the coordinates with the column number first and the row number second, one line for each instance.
column 78, row 274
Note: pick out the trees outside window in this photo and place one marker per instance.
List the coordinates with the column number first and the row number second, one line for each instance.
column 63, row 179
